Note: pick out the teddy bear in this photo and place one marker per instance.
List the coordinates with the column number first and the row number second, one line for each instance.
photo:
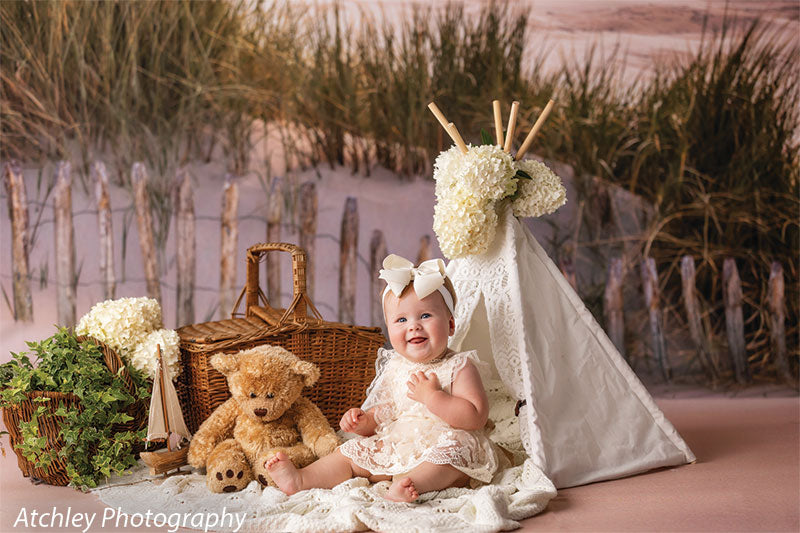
column 265, row 414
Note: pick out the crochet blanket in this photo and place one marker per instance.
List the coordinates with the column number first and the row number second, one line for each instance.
column 355, row 505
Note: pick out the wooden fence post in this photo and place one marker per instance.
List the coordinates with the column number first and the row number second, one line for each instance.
column 613, row 305
column 777, row 317
column 186, row 249
column 734, row 320
column 144, row 224
column 20, row 241
column 64, row 245
column 274, row 235
column 308, row 229
column 652, row 297
column 689, row 286
column 567, row 268
column 424, row 249
column 228, row 244
column 377, row 252
column 105, row 230
column 348, row 262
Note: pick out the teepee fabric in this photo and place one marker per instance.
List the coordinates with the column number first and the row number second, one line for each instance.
column 587, row 416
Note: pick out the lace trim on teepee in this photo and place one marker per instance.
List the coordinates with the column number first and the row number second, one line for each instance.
column 489, row 276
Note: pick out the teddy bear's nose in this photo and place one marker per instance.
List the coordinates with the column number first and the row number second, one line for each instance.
column 260, row 412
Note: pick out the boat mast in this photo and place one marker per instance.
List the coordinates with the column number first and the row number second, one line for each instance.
column 161, row 391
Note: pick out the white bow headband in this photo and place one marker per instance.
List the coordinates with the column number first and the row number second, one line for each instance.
column 428, row 277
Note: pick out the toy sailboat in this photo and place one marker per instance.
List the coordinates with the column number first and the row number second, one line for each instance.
column 165, row 422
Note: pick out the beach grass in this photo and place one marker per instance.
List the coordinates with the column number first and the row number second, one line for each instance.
column 711, row 141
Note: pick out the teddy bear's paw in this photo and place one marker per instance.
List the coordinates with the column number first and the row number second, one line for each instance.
column 265, row 480
column 260, row 472
column 227, row 469
column 326, row 444
column 228, row 479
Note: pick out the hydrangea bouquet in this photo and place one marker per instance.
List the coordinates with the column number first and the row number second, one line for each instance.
column 133, row 328
column 473, row 181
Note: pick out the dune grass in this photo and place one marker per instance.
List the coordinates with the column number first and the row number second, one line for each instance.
column 718, row 157
column 711, row 142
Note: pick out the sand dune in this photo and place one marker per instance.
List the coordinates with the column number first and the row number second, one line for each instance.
column 644, row 31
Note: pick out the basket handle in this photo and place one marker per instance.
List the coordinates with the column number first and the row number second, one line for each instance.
column 300, row 301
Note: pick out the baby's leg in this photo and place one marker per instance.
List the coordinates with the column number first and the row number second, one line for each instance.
column 324, row 473
column 425, row 478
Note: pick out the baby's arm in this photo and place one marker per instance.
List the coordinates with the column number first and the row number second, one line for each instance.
column 360, row 422
column 466, row 407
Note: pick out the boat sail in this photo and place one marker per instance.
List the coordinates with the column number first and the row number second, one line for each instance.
column 165, row 422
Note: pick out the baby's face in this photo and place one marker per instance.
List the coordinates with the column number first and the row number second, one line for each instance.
column 418, row 329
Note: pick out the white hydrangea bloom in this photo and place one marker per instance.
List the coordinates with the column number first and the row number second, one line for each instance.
column 486, row 171
column 464, row 225
column 540, row 195
column 145, row 356
column 467, row 188
column 121, row 324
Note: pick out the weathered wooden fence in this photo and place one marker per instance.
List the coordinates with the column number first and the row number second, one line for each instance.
column 20, row 241
column 185, row 242
column 144, row 224
column 230, row 242
column 64, row 235
column 105, row 230
column 274, row 210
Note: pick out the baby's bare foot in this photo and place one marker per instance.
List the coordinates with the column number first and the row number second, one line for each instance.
column 402, row 490
column 283, row 473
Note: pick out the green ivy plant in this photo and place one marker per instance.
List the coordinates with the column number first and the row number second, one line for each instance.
column 92, row 449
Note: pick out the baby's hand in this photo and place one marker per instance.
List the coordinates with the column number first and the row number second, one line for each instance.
column 354, row 420
column 421, row 387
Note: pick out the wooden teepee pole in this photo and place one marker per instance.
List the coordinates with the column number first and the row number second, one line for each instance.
column 453, row 131
column 512, row 123
column 536, row 127
column 449, row 127
column 498, row 122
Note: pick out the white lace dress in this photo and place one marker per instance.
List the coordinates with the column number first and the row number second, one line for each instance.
column 408, row 434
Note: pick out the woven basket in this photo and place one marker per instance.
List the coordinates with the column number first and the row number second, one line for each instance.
column 50, row 425
column 345, row 354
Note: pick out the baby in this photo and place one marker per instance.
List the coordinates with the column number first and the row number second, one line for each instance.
column 421, row 425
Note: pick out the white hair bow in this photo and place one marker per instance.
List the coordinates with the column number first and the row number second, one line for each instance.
column 428, row 277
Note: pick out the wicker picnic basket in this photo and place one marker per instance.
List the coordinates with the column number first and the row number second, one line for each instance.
column 345, row 354
column 50, row 425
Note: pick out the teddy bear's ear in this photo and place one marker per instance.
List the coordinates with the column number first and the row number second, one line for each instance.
column 225, row 363
column 309, row 371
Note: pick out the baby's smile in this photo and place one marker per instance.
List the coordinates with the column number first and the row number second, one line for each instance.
column 418, row 329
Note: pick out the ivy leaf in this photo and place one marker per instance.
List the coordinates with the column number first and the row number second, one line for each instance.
column 120, row 418
column 107, row 397
column 485, row 137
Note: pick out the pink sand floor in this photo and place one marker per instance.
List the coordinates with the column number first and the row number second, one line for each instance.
column 747, row 478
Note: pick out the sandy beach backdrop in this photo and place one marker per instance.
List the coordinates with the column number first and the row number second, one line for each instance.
column 642, row 32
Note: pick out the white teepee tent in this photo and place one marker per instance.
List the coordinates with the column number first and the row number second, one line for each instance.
column 587, row 416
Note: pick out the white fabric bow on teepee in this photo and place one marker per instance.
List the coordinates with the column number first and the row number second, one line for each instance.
column 428, row 277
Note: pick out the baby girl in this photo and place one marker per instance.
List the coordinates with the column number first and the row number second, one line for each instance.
column 421, row 425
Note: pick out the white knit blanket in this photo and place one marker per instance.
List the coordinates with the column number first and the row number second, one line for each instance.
column 355, row 505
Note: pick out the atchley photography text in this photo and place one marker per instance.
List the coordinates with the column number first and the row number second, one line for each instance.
column 114, row 519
